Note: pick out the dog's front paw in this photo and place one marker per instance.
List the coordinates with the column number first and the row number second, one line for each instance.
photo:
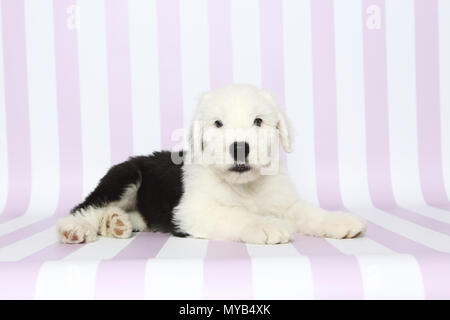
column 340, row 225
column 269, row 231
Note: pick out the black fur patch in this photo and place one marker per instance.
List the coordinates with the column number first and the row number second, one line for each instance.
column 160, row 188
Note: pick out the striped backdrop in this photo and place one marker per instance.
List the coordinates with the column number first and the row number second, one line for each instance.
column 366, row 83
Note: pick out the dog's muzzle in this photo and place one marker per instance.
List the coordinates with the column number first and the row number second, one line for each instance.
column 242, row 167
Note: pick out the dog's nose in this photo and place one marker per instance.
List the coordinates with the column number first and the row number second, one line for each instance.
column 239, row 151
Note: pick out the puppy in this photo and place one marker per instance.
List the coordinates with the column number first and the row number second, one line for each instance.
column 230, row 185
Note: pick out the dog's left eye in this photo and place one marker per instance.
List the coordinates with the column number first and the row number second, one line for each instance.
column 258, row 122
column 218, row 124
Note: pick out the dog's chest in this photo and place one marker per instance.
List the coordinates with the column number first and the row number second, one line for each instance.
column 250, row 198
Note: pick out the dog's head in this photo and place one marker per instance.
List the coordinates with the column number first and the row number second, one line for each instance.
column 236, row 132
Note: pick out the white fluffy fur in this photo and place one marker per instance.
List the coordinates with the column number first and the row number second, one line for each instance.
column 221, row 204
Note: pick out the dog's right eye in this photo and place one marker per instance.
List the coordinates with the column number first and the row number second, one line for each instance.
column 218, row 123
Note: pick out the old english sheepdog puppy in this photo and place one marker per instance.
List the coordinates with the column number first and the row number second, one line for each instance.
column 229, row 185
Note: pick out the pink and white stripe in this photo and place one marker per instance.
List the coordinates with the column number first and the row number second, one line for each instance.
column 85, row 84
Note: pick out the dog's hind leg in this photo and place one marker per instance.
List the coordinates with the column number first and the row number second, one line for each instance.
column 109, row 210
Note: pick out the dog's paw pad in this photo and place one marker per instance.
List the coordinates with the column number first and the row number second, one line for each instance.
column 118, row 232
column 72, row 236
column 118, row 225
column 78, row 234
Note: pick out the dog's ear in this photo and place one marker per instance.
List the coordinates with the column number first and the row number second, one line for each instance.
column 283, row 125
column 195, row 138
column 285, row 132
